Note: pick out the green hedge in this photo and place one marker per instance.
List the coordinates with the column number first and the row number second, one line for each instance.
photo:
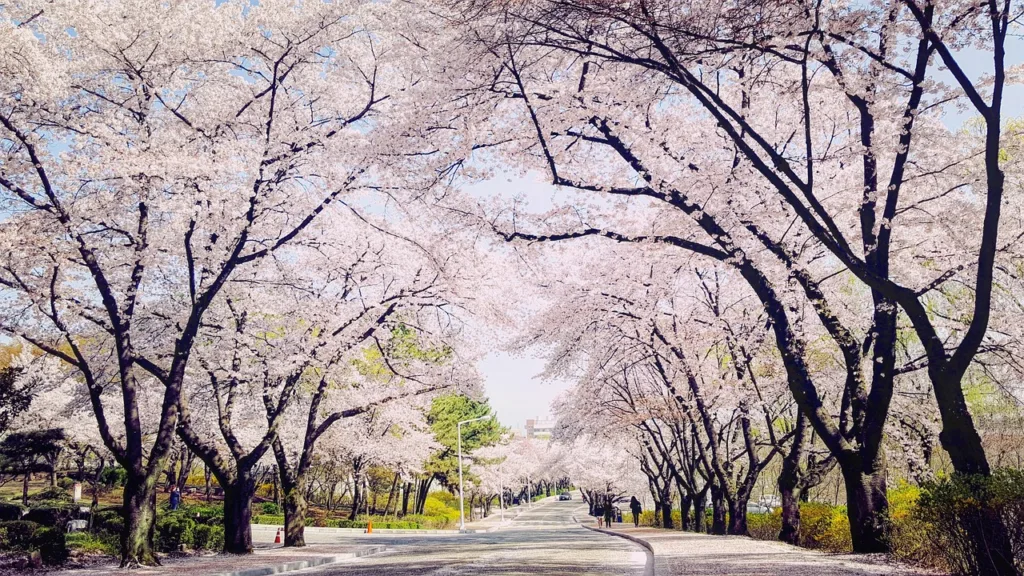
column 51, row 495
column 88, row 543
column 174, row 532
column 208, row 537
column 957, row 512
column 52, row 514
column 10, row 512
column 108, row 520
column 25, row 536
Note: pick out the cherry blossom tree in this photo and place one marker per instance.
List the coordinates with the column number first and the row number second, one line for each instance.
column 150, row 155
column 727, row 116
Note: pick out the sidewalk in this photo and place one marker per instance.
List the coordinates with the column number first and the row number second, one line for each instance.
column 493, row 522
column 262, row 561
column 677, row 552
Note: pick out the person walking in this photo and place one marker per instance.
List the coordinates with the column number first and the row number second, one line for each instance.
column 599, row 512
column 609, row 515
column 175, row 497
column 634, row 507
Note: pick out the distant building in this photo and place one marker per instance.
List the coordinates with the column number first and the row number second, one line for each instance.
column 539, row 428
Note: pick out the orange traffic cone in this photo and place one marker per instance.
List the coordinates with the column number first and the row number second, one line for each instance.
column 369, row 527
column 277, row 539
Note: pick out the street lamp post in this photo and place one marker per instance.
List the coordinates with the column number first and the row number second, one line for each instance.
column 458, row 431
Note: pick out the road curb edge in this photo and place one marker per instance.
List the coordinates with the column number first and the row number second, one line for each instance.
column 649, row 566
column 303, row 564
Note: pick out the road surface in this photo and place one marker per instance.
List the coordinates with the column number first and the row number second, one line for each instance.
column 542, row 541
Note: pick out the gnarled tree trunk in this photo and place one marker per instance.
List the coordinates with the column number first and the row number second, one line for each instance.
column 238, row 513
column 140, row 521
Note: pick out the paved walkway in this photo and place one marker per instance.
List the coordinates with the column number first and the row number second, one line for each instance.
column 677, row 552
column 211, row 564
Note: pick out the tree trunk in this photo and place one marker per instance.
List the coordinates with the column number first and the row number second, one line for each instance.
column 738, row 516
column 867, row 507
column 666, row 512
column 790, row 532
column 405, row 498
column 53, row 477
column 24, row 489
column 140, row 521
column 295, row 508
column 699, row 519
column 238, row 513
column 718, row 512
column 684, row 512
column 357, row 496
column 421, row 494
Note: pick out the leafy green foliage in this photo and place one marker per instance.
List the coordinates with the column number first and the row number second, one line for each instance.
column 108, row 520
column 51, row 495
column 208, row 537
column 25, row 536
column 87, row 543
column 958, row 508
column 31, row 451
column 17, row 535
column 10, row 512
column 445, row 414
column 50, row 513
column 113, row 477
column 175, row 531
column 51, row 545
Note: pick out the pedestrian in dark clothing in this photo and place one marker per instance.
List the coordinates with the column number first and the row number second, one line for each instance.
column 175, row 497
column 634, row 507
column 609, row 515
column 599, row 512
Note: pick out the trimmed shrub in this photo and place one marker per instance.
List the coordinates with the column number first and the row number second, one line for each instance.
column 435, row 507
column 765, row 526
column 268, row 519
column 824, row 527
column 432, row 522
column 10, row 512
column 17, row 535
column 961, row 509
column 270, row 508
column 86, row 543
column 51, row 545
column 108, row 520
column 52, row 514
column 51, row 495
column 909, row 540
column 205, row 514
column 209, row 537
column 175, row 532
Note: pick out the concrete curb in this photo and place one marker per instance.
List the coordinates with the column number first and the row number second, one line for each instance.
column 649, row 566
column 303, row 564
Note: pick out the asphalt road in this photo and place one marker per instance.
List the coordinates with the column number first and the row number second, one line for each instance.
column 544, row 540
